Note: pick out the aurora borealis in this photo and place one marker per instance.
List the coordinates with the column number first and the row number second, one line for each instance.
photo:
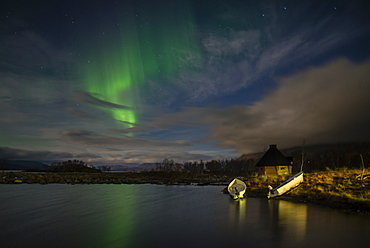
column 147, row 47
column 131, row 82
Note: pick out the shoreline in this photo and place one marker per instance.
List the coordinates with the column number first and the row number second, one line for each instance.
column 345, row 208
column 338, row 189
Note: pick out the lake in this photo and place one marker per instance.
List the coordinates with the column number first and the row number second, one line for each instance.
column 144, row 215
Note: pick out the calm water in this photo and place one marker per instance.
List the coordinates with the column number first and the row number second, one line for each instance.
column 113, row 216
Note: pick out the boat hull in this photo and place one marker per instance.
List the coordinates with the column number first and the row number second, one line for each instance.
column 237, row 189
column 286, row 186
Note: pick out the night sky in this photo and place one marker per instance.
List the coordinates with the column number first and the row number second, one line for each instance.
column 114, row 82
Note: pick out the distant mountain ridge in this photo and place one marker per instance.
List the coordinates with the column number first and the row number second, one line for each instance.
column 35, row 165
column 322, row 156
column 133, row 167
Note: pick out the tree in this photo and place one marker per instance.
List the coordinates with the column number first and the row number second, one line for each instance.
column 72, row 166
column 104, row 168
column 168, row 164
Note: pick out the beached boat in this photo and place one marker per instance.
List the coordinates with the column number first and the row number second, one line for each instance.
column 237, row 189
column 292, row 182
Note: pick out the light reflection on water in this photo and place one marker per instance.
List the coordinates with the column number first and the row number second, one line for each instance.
column 166, row 216
column 291, row 219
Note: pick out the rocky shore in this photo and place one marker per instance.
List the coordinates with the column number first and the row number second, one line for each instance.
column 348, row 190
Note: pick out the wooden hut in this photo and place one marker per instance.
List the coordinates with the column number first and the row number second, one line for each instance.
column 274, row 163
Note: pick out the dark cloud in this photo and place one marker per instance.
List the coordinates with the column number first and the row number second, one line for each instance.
column 127, row 122
column 11, row 153
column 327, row 104
column 128, row 130
column 22, row 154
column 89, row 98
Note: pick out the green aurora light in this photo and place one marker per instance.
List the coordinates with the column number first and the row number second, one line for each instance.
column 148, row 46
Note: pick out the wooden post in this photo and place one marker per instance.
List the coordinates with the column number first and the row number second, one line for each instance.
column 363, row 167
column 304, row 143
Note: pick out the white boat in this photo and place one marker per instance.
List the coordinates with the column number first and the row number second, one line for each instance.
column 292, row 182
column 237, row 189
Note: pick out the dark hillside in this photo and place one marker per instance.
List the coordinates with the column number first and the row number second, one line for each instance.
column 324, row 156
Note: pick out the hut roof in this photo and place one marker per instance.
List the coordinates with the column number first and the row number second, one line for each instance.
column 273, row 157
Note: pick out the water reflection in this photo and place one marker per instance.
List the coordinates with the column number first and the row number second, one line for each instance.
column 237, row 209
column 120, row 217
column 291, row 219
column 138, row 216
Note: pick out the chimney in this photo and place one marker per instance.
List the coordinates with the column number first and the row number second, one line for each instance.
column 273, row 146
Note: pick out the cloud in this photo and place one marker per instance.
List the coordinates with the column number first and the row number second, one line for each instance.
column 25, row 52
column 189, row 116
column 235, row 43
column 105, row 158
column 89, row 98
column 36, row 77
column 92, row 139
column 128, row 130
column 327, row 104
column 23, row 154
column 80, row 113
column 11, row 153
column 139, row 156
column 228, row 65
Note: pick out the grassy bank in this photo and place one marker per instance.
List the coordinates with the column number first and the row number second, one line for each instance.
column 340, row 189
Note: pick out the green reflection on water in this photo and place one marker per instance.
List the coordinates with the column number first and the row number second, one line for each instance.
column 120, row 227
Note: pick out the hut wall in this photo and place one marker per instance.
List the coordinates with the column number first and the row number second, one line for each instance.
column 267, row 170
column 274, row 170
column 271, row 170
